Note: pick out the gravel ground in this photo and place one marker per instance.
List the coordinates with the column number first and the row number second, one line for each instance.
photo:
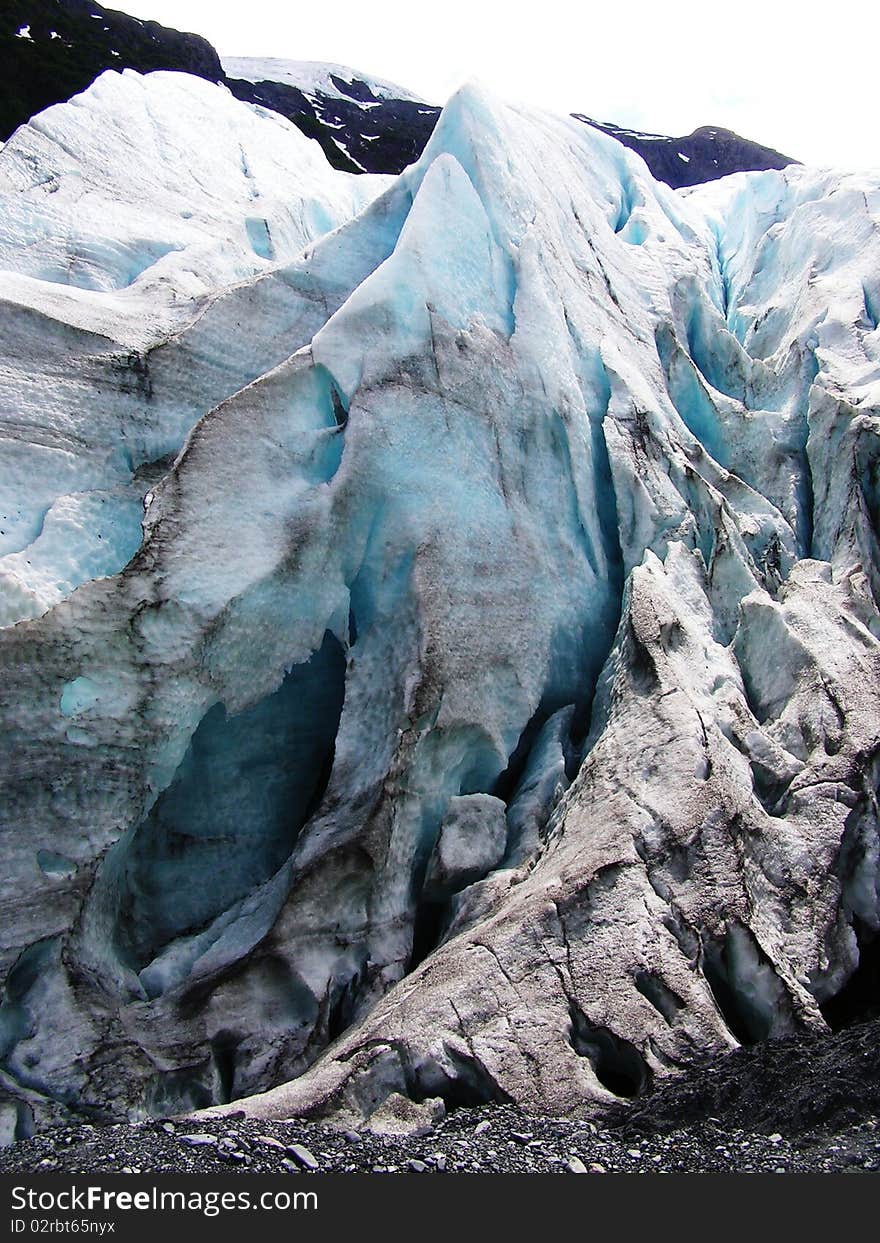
column 809, row 1104
column 495, row 1138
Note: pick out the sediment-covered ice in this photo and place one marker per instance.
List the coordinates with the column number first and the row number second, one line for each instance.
column 529, row 490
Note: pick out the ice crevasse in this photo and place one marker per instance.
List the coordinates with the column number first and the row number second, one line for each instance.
column 473, row 692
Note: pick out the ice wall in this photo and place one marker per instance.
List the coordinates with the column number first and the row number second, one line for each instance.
column 532, row 496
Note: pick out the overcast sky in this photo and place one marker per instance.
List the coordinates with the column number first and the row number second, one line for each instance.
column 801, row 77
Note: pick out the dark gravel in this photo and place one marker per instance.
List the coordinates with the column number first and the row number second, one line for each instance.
column 802, row 1105
column 797, row 1085
column 495, row 1138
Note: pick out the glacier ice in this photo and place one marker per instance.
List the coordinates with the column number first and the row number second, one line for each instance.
column 470, row 842
column 127, row 213
column 485, row 704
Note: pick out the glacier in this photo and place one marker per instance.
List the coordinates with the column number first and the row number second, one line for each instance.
column 119, row 230
column 440, row 636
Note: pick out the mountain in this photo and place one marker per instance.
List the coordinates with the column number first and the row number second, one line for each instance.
column 52, row 49
column 369, row 126
column 363, row 124
column 440, row 648
column 704, row 155
column 317, row 78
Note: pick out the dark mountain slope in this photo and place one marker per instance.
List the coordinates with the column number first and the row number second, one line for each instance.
column 65, row 44
column 705, row 154
column 364, row 134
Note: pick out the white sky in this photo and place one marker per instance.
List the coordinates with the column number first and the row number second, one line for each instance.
column 801, row 77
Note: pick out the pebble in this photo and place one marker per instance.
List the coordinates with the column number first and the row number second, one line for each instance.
column 300, row 1153
column 512, row 1142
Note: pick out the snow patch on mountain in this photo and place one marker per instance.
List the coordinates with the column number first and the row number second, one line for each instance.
column 313, row 77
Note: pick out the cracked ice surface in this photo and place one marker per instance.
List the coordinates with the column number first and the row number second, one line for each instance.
column 534, row 489
column 125, row 213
